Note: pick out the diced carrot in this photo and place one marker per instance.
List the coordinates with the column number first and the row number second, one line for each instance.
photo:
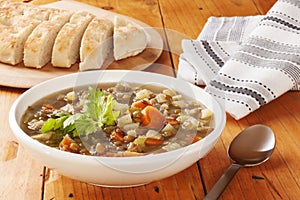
column 152, row 118
column 66, row 141
column 48, row 106
column 117, row 136
column 153, row 141
column 140, row 104
column 196, row 139
column 172, row 122
column 68, row 144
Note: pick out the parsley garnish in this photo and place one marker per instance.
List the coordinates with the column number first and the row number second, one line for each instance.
column 97, row 112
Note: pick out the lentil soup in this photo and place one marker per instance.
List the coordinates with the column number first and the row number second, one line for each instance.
column 117, row 119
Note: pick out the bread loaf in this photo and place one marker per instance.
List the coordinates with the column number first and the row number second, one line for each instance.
column 37, row 35
column 129, row 38
column 18, row 21
column 3, row 3
column 39, row 45
column 36, row 13
column 60, row 16
column 12, row 40
column 96, row 43
column 67, row 43
column 12, row 12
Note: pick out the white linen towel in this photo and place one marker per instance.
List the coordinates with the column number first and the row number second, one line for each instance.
column 246, row 62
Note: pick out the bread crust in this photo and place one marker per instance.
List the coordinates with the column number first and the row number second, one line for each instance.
column 96, row 44
column 37, row 36
column 17, row 20
column 67, row 43
column 39, row 45
column 12, row 40
column 130, row 39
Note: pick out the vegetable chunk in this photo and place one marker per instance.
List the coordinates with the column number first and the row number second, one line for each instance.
column 152, row 118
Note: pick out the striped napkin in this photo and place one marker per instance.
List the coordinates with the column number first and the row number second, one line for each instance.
column 246, row 62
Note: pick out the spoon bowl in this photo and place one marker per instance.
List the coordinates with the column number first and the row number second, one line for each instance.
column 250, row 147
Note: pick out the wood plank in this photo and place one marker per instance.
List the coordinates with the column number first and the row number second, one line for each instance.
column 280, row 175
column 287, row 145
column 147, row 12
column 184, row 185
column 55, row 186
column 189, row 17
column 182, row 20
column 236, row 7
column 17, row 182
column 276, row 184
column 264, row 6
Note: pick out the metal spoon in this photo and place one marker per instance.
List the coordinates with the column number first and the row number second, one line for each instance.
column 251, row 147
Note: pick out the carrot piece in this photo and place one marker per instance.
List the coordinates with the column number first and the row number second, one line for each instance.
column 196, row 139
column 153, row 141
column 117, row 136
column 172, row 122
column 140, row 104
column 68, row 144
column 48, row 106
column 152, row 118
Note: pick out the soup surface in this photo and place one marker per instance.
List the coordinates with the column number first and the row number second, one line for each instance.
column 117, row 119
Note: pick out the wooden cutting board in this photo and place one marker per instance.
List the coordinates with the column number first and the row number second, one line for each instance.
column 20, row 76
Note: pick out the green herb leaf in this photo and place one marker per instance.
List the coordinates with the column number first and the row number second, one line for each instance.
column 48, row 125
column 108, row 115
column 53, row 124
column 97, row 111
column 100, row 107
column 92, row 107
column 86, row 126
column 71, row 120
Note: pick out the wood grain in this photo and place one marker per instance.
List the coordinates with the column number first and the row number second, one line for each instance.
column 17, row 181
column 278, row 178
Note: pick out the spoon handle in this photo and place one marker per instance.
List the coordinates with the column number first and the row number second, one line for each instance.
column 222, row 183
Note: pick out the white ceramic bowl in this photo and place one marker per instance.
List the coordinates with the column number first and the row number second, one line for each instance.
column 115, row 171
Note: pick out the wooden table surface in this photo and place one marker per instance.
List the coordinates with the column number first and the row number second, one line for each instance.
column 21, row 177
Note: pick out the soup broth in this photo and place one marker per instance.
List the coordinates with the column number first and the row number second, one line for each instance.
column 117, row 119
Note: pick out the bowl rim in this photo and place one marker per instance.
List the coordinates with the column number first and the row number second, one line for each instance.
column 21, row 135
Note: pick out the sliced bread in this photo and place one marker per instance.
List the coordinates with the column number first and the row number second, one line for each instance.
column 60, row 16
column 18, row 20
column 12, row 12
column 67, row 43
column 36, row 13
column 39, row 45
column 12, row 40
column 96, row 44
column 129, row 38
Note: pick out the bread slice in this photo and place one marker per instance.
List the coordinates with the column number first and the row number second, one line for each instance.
column 3, row 3
column 67, row 43
column 18, row 21
column 129, row 38
column 96, row 44
column 12, row 12
column 8, row 16
column 39, row 45
column 60, row 16
column 12, row 40
column 36, row 13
